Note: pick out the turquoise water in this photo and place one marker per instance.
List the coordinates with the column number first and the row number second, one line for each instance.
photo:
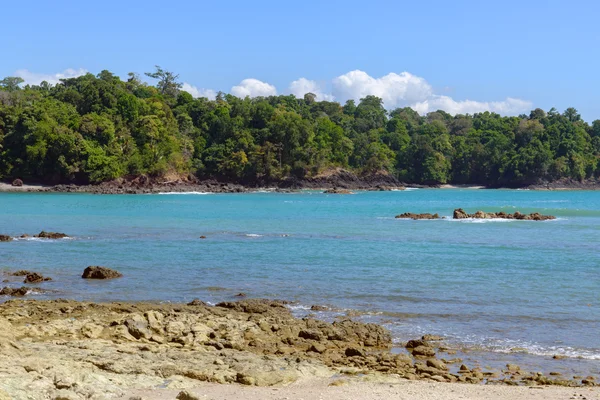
column 493, row 285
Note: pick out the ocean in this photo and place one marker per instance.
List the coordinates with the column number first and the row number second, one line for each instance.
column 498, row 290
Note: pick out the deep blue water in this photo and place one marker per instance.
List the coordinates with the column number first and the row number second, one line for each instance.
column 497, row 285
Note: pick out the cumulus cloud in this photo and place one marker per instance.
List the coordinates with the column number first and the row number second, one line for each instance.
column 253, row 88
column 509, row 106
column 395, row 90
column 408, row 90
column 198, row 92
column 302, row 86
column 35, row 78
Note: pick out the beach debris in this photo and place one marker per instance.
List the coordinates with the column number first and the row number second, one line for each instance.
column 17, row 182
column 5, row 238
column 459, row 213
column 34, row 277
column 51, row 235
column 97, row 272
column 409, row 215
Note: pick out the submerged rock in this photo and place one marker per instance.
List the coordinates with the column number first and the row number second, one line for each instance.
column 97, row 272
column 51, row 235
column 414, row 216
column 5, row 238
column 459, row 213
column 21, row 272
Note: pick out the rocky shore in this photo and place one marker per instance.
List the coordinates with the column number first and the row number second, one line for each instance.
column 75, row 350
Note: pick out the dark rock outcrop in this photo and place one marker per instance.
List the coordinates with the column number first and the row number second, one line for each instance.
column 96, row 272
column 51, row 235
column 34, row 277
column 5, row 238
column 459, row 213
column 336, row 190
column 414, row 216
column 15, row 292
column 21, row 272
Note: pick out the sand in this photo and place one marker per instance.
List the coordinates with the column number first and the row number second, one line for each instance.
column 311, row 389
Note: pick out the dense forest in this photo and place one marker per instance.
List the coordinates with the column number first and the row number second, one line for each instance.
column 92, row 129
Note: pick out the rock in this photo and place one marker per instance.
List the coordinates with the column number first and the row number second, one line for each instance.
column 435, row 363
column 254, row 306
column 241, row 294
column 34, row 277
column 202, row 237
column 21, row 272
column 17, row 182
column 5, row 238
column 96, row 272
column 354, row 352
column 338, row 191
column 319, row 308
column 432, row 338
column 184, row 395
column 408, row 215
column 423, row 351
column 513, row 368
column 558, row 357
column 18, row 292
column 51, row 235
column 411, row 344
column 197, row 302
column 463, row 368
column 459, row 213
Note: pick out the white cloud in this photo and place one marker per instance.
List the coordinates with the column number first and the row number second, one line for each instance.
column 34, row 78
column 196, row 92
column 302, row 86
column 253, row 88
column 396, row 90
column 408, row 90
column 509, row 106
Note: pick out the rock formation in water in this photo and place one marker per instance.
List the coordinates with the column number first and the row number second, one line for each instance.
column 459, row 213
column 409, row 215
column 97, row 272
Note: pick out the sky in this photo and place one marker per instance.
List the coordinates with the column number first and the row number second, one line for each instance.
column 461, row 56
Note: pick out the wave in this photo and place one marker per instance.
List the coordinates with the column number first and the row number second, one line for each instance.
column 42, row 240
column 409, row 189
column 184, row 193
column 254, row 235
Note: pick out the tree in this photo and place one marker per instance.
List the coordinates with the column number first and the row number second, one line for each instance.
column 11, row 83
column 167, row 81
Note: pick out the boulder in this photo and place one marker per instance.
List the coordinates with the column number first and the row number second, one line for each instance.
column 409, row 215
column 459, row 213
column 96, row 272
column 18, row 292
column 34, row 277
column 17, row 182
column 423, row 351
column 51, row 235
column 197, row 302
column 432, row 338
column 5, row 238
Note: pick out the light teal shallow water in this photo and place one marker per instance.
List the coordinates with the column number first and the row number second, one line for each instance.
column 494, row 285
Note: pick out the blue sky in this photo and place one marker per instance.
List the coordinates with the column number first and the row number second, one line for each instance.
column 505, row 56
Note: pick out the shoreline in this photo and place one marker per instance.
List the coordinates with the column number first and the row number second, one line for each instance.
column 81, row 349
column 213, row 188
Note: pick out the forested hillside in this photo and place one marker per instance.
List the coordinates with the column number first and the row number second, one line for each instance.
column 96, row 128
